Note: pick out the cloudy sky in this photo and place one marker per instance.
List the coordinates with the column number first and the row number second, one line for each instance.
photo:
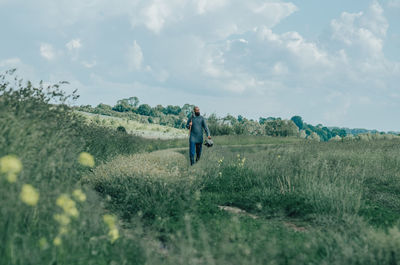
column 331, row 62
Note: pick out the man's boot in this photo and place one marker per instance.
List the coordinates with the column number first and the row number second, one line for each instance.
column 191, row 160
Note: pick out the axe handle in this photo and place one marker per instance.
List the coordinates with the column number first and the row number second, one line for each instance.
column 190, row 126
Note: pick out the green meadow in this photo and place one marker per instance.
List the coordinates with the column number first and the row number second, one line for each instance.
column 76, row 192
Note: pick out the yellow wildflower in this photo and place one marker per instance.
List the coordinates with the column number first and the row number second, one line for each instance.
column 63, row 230
column 113, row 231
column 79, row 195
column 57, row 241
column 63, row 219
column 109, row 220
column 114, row 234
column 68, row 205
column 86, row 159
column 29, row 195
column 11, row 177
column 241, row 161
column 10, row 164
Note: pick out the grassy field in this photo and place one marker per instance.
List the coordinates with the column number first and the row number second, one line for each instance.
column 73, row 193
column 146, row 130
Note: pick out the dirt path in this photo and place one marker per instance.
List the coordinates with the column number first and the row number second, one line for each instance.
column 287, row 222
column 178, row 149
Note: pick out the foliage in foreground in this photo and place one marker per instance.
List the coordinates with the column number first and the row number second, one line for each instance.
column 45, row 149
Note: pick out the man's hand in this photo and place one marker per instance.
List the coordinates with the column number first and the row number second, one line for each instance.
column 209, row 137
column 190, row 124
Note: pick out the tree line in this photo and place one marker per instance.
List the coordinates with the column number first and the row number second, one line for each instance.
column 176, row 116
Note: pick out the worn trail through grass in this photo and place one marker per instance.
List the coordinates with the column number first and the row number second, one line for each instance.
column 172, row 164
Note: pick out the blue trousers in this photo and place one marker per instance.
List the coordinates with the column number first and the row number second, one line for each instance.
column 194, row 148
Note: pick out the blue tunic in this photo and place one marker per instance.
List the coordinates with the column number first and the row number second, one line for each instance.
column 196, row 134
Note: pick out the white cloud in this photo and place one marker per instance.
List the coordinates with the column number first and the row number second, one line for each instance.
column 274, row 11
column 156, row 15
column 135, row 56
column 73, row 44
column 280, row 68
column 47, row 51
column 213, row 65
column 365, row 31
column 218, row 18
column 209, row 16
column 307, row 53
column 89, row 64
column 204, row 6
column 230, row 49
column 374, row 20
column 344, row 29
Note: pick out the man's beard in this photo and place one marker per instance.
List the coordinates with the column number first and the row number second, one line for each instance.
column 197, row 113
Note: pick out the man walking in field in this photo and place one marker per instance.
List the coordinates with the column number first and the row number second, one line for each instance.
column 196, row 124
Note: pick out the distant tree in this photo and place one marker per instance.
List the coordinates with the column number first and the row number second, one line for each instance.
column 174, row 110
column 239, row 128
column 262, row 120
column 240, row 118
column 327, row 132
column 133, row 102
column 281, row 128
column 85, row 106
column 212, row 123
column 298, row 121
column 121, row 108
column 252, row 127
column 314, row 136
column 187, row 109
column 340, row 132
column 336, row 138
column 103, row 106
column 126, row 104
column 230, row 119
column 144, row 109
column 159, row 108
column 157, row 111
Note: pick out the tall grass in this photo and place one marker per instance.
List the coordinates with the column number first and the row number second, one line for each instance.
column 47, row 139
column 325, row 187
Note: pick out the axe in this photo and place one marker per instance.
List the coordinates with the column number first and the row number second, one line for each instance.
column 190, row 126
